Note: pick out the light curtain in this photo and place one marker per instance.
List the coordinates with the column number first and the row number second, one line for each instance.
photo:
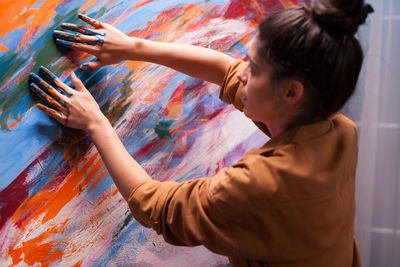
column 376, row 110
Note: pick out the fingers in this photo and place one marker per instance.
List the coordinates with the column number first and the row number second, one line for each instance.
column 67, row 36
column 77, row 82
column 93, row 22
column 91, row 49
column 77, row 37
column 84, row 39
column 81, row 29
column 92, row 65
column 46, row 97
column 63, row 119
column 60, row 85
column 43, row 70
column 47, row 88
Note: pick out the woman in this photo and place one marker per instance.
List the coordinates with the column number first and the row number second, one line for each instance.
column 289, row 203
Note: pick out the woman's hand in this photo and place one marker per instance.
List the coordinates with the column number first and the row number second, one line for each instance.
column 73, row 108
column 104, row 41
column 78, row 109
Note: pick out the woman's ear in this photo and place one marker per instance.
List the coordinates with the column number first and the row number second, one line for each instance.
column 293, row 92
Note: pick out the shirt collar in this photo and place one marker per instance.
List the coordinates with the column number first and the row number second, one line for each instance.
column 297, row 134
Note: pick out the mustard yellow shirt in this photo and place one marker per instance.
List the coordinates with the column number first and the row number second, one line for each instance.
column 289, row 203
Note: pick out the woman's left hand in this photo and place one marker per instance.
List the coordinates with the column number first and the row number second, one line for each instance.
column 102, row 40
column 72, row 108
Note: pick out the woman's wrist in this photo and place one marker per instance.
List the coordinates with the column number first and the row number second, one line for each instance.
column 137, row 49
column 97, row 126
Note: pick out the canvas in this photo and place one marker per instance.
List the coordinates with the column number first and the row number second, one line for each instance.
column 58, row 204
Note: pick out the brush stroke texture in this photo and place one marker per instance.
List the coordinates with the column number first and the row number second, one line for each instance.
column 58, row 205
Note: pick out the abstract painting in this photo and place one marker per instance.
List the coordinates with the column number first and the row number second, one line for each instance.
column 58, row 204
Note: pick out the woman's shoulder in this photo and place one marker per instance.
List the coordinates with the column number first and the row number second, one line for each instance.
column 316, row 159
column 344, row 121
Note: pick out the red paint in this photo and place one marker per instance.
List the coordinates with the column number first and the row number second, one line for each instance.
column 147, row 149
column 18, row 191
column 254, row 10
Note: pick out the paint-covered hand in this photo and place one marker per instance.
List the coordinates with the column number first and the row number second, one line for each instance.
column 73, row 108
column 102, row 40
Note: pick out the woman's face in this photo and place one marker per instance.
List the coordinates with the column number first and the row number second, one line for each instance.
column 260, row 96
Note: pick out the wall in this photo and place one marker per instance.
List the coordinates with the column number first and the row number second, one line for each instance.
column 58, row 205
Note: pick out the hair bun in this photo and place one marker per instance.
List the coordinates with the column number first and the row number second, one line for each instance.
column 341, row 16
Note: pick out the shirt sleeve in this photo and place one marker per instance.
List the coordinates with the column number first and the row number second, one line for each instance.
column 231, row 94
column 223, row 212
column 184, row 213
column 230, row 90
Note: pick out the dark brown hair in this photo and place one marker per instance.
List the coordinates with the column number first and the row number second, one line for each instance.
column 315, row 44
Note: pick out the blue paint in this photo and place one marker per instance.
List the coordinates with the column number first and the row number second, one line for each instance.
column 24, row 143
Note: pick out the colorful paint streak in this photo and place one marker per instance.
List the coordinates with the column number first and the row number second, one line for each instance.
column 58, row 204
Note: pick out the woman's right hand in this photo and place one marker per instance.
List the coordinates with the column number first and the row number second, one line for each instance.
column 104, row 41
column 76, row 109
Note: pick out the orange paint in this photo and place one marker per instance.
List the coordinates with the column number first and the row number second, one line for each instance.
column 176, row 130
column 141, row 3
column 78, row 264
column 147, row 99
column 32, row 19
column 131, row 65
column 175, row 103
column 98, row 179
column 70, row 188
column 288, row 3
column 3, row 48
column 115, row 192
column 49, row 203
column 88, row 4
column 12, row 125
column 101, row 201
column 36, row 250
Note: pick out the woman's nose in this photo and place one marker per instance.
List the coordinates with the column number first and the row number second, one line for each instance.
column 242, row 77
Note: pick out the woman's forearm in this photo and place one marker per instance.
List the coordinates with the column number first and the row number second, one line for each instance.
column 126, row 173
column 115, row 46
column 203, row 63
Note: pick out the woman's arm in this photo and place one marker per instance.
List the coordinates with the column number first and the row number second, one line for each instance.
column 78, row 109
column 125, row 171
column 203, row 63
column 111, row 46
